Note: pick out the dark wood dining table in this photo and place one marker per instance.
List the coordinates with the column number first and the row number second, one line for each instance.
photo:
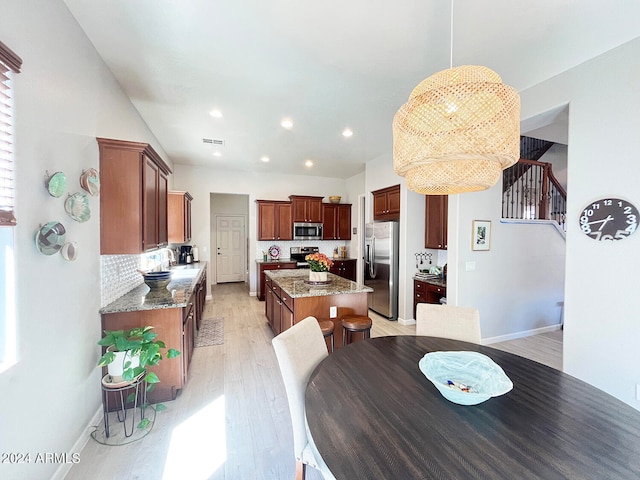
column 373, row 414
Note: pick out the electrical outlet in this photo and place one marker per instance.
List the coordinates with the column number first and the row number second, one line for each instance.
column 333, row 312
column 470, row 266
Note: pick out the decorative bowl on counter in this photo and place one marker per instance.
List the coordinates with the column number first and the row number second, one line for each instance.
column 335, row 198
column 157, row 279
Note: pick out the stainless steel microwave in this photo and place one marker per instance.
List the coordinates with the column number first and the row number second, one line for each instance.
column 307, row 231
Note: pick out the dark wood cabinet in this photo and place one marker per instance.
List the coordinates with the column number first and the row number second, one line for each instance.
column 262, row 267
column 179, row 217
column 336, row 220
column 435, row 223
column 345, row 268
column 274, row 220
column 169, row 324
column 201, row 297
column 133, row 198
column 386, row 203
column 278, row 307
column 188, row 335
column 306, row 209
column 424, row 292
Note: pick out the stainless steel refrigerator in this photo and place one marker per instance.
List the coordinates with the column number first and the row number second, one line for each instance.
column 381, row 267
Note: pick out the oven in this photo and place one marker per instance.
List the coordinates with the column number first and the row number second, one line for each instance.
column 298, row 253
column 307, row 231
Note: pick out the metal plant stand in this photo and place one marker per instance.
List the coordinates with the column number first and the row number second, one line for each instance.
column 126, row 401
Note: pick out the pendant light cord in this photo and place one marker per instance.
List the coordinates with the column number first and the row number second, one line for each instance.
column 451, row 51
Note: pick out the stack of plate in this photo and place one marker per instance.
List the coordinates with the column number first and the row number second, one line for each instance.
column 157, row 279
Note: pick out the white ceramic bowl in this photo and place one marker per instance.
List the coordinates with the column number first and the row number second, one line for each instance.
column 448, row 371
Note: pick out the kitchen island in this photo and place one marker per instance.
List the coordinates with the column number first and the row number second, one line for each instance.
column 289, row 299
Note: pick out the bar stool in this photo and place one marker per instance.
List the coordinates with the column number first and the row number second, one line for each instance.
column 355, row 324
column 327, row 328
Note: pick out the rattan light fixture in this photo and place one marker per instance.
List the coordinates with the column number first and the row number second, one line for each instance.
column 457, row 132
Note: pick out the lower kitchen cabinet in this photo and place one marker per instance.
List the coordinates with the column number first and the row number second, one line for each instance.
column 278, row 307
column 264, row 266
column 200, row 293
column 424, row 292
column 174, row 328
column 188, row 335
column 345, row 268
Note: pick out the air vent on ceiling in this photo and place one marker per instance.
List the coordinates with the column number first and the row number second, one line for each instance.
column 213, row 141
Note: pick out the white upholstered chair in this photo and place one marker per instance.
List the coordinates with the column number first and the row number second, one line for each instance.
column 448, row 321
column 299, row 349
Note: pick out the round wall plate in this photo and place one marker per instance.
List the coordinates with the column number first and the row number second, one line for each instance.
column 90, row 181
column 50, row 238
column 274, row 252
column 77, row 206
column 57, row 184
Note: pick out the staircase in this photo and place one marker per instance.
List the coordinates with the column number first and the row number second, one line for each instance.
column 529, row 189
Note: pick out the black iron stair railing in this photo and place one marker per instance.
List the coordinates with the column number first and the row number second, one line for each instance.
column 531, row 191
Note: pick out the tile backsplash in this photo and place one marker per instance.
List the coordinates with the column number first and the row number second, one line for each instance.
column 118, row 275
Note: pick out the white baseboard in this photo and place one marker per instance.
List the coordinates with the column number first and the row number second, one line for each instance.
column 77, row 447
column 253, row 294
column 525, row 333
column 402, row 321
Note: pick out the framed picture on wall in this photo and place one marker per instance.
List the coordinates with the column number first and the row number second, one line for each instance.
column 481, row 235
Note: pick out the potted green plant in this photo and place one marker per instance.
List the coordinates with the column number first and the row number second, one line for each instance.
column 130, row 352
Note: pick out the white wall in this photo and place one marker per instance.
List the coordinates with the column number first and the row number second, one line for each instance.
column 64, row 98
column 602, row 331
column 202, row 181
column 517, row 284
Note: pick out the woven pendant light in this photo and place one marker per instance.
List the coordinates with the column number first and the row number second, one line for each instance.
column 458, row 131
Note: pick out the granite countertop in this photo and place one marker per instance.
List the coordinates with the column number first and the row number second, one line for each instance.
column 280, row 260
column 292, row 282
column 176, row 295
column 440, row 282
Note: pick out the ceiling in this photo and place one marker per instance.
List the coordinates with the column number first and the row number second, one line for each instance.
column 327, row 66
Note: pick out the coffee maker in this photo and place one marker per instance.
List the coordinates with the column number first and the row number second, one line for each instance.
column 186, row 255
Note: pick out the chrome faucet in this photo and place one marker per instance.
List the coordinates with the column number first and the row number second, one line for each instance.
column 172, row 256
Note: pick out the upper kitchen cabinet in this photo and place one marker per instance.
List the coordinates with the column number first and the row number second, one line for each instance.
column 336, row 221
column 435, row 224
column 386, row 203
column 306, row 209
column 133, row 198
column 179, row 218
column 274, row 220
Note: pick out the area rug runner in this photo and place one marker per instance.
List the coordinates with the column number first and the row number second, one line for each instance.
column 211, row 332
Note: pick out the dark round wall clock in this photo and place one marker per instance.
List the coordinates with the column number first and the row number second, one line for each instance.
column 609, row 219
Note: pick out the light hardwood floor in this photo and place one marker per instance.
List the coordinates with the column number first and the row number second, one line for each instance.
column 231, row 422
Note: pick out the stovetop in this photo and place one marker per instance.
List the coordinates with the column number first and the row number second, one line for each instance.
column 298, row 254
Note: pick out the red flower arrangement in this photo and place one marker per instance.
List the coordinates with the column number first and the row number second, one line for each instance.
column 318, row 262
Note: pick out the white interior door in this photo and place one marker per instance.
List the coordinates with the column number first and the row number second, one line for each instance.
column 230, row 250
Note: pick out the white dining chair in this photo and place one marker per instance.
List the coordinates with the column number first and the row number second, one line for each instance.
column 298, row 350
column 448, row 321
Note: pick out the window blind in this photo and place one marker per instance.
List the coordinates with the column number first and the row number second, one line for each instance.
column 9, row 63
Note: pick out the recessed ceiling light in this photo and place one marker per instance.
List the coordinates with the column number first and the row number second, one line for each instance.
column 215, row 113
column 347, row 132
column 265, row 159
column 286, row 123
column 217, row 154
column 308, row 163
